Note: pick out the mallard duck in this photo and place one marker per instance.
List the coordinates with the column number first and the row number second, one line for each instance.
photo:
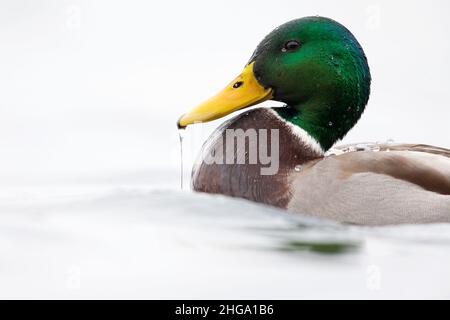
column 317, row 68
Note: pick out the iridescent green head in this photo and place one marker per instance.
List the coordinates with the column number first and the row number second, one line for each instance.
column 318, row 68
column 315, row 66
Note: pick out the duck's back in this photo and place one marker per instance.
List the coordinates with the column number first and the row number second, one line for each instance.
column 397, row 184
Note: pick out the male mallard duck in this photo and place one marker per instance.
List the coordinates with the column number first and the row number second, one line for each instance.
column 318, row 69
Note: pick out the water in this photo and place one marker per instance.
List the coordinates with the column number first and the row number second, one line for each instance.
column 181, row 132
column 367, row 146
column 131, row 237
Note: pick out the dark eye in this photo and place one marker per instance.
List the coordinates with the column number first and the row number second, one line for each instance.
column 291, row 45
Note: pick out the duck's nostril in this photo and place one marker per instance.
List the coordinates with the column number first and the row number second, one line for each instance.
column 238, row 84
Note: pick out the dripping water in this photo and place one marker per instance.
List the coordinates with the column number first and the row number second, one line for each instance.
column 181, row 132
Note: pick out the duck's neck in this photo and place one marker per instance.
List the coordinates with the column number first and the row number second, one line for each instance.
column 325, row 122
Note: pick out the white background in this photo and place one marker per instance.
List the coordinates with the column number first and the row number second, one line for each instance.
column 95, row 87
column 90, row 92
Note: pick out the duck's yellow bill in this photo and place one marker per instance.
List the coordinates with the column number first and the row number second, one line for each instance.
column 242, row 92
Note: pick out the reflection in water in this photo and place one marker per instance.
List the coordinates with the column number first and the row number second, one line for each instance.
column 319, row 247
